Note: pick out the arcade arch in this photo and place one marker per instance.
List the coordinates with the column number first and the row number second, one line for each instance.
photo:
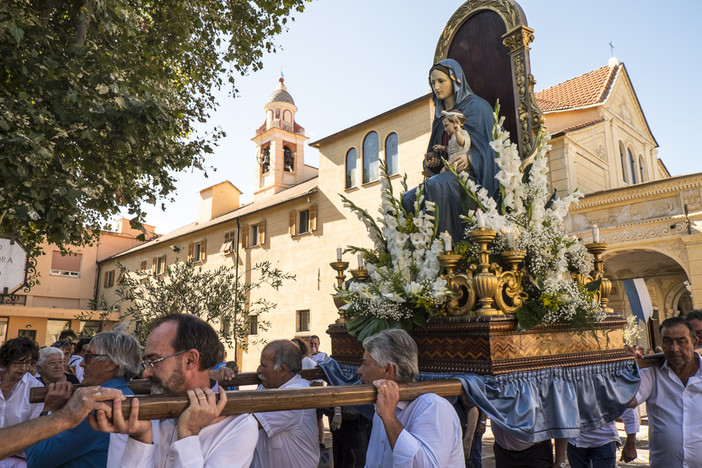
column 666, row 281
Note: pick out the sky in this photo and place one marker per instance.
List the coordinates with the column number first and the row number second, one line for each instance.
column 345, row 62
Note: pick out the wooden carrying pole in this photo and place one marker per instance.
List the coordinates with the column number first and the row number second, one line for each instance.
column 167, row 406
column 163, row 406
column 143, row 386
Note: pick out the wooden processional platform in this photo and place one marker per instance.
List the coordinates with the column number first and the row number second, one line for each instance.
column 493, row 346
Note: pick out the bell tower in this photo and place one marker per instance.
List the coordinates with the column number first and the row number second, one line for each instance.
column 280, row 146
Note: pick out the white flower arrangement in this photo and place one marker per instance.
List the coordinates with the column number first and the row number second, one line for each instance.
column 532, row 218
column 405, row 281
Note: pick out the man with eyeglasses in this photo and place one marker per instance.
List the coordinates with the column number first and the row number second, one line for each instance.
column 180, row 351
column 111, row 359
column 16, row 358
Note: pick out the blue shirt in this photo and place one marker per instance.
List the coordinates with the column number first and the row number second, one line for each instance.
column 80, row 447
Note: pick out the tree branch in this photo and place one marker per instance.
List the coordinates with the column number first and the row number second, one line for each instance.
column 46, row 13
column 84, row 22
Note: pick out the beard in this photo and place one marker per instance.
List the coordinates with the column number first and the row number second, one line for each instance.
column 174, row 384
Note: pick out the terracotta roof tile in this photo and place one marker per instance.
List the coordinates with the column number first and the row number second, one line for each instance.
column 582, row 91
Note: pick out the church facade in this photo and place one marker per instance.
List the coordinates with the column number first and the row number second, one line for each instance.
column 601, row 144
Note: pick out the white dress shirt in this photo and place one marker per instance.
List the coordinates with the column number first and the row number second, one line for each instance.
column 15, row 407
column 288, row 438
column 319, row 357
column 308, row 363
column 227, row 443
column 431, row 436
column 75, row 361
column 607, row 433
column 674, row 416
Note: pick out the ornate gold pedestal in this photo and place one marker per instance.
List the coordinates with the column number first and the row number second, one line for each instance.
column 492, row 345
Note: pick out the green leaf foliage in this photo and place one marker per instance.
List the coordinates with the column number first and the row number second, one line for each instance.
column 217, row 296
column 99, row 102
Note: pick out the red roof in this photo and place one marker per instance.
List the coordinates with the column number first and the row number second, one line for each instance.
column 582, row 91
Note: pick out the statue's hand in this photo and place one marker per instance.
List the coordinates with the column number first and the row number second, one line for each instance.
column 461, row 163
column 432, row 160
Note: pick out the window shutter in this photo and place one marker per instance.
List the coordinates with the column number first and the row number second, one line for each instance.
column 313, row 217
column 104, row 283
column 203, row 250
column 153, row 265
column 244, row 236
column 292, row 224
column 262, row 232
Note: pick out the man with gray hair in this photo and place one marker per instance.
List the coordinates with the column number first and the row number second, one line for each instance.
column 285, row 438
column 111, row 359
column 425, row 432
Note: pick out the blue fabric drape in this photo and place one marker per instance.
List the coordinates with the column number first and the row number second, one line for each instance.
column 558, row 402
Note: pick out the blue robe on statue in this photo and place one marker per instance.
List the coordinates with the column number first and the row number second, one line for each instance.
column 443, row 188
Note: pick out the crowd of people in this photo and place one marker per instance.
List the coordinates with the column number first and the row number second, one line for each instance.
column 78, row 428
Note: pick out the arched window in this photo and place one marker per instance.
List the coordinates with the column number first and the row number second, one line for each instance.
column 632, row 167
column 287, row 116
column 391, row 153
column 642, row 169
column 625, row 166
column 370, row 158
column 288, row 160
column 351, row 168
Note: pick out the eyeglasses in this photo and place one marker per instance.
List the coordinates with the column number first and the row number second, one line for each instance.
column 151, row 363
column 24, row 363
column 89, row 356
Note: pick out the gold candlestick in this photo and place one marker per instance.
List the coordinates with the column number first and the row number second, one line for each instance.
column 449, row 261
column 485, row 282
column 340, row 267
column 510, row 295
column 462, row 299
column 360, row 274
column 513, row 258
column 597, row 249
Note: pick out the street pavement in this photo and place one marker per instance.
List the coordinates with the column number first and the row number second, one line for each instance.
column 641, row 448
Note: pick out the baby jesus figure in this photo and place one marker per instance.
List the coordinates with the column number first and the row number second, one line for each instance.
column 459, row 140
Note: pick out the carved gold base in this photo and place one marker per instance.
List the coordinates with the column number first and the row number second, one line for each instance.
column 492, row 345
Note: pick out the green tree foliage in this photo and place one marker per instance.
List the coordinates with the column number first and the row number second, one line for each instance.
column 217, row 296
column 99, row 100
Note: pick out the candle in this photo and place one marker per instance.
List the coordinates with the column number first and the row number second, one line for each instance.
column 338, row 254
column 595, row 233
column 447, row 241
column 479, row 218
column 360, row 260
column 510, row 239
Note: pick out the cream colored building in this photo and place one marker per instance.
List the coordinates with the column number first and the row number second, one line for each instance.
column 603, row 145
column 297, row 219
column 67, row 285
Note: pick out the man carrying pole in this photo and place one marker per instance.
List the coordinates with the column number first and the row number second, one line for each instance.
column 424, row 432
column 180, row 351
